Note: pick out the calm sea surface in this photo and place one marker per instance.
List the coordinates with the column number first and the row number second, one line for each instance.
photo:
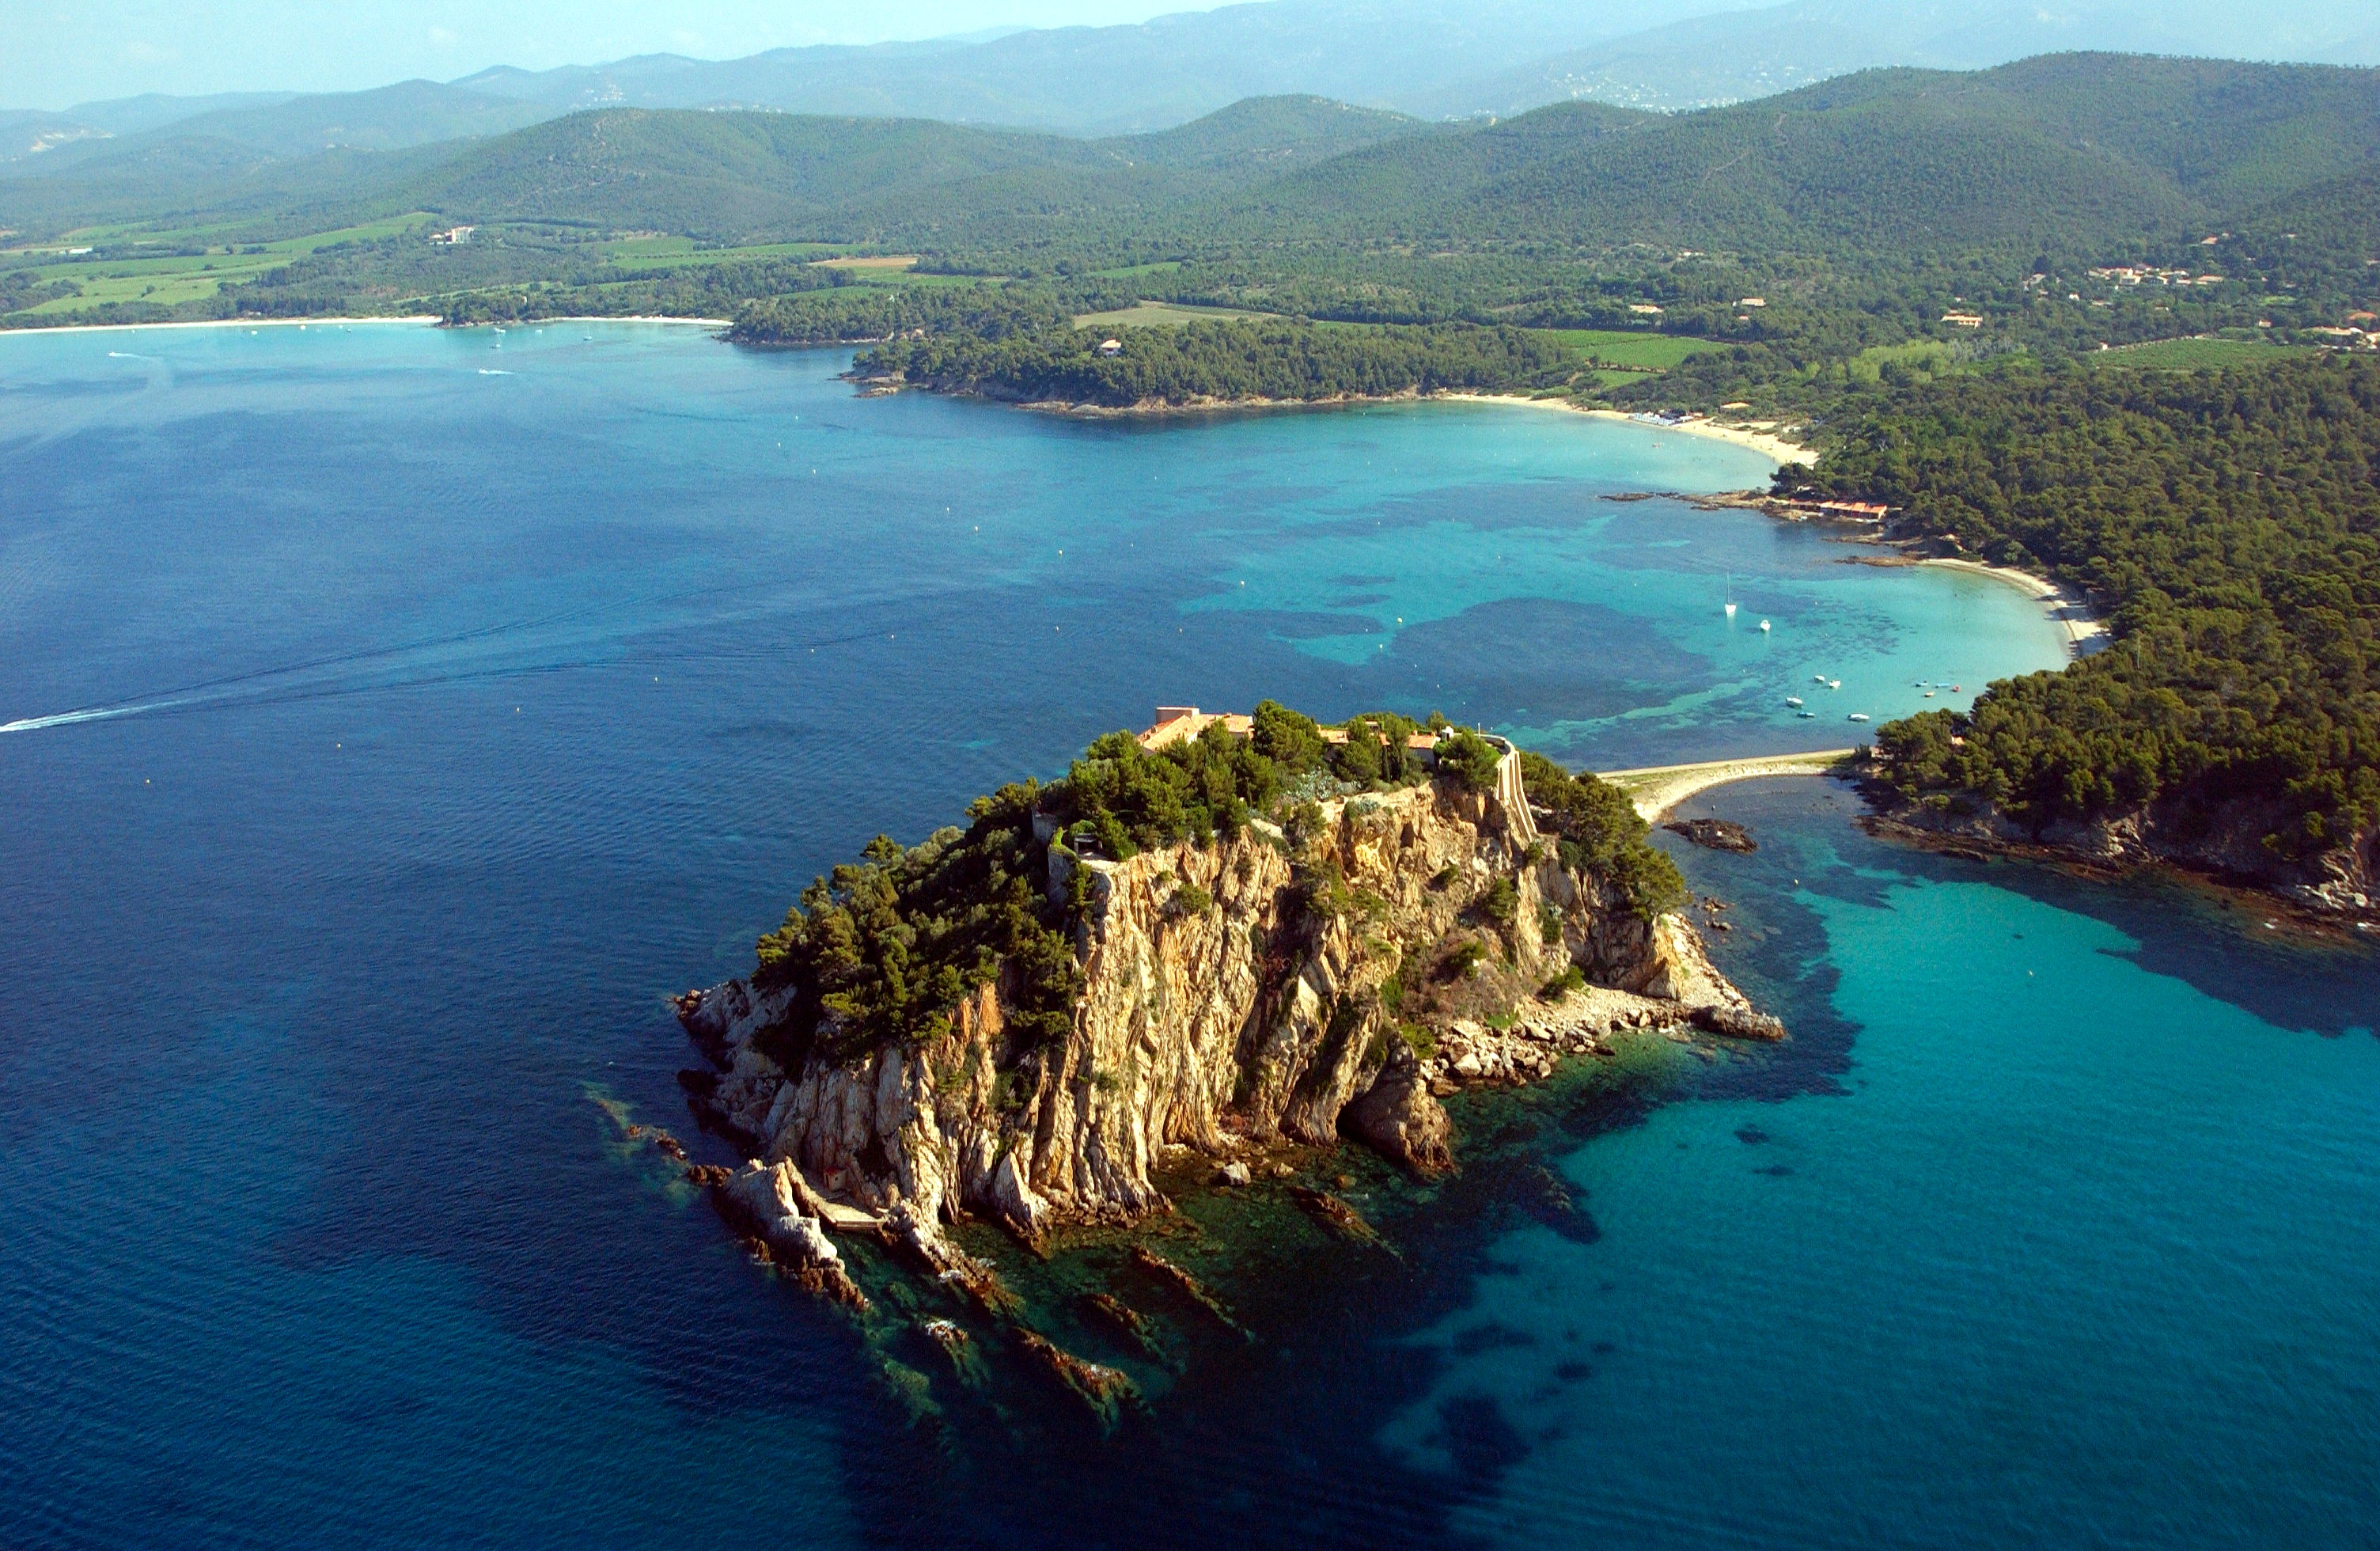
column 390, row 718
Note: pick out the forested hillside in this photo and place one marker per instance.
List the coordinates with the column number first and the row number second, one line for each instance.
column 2231, row 521
column 2079, row 149
column 1894, row 225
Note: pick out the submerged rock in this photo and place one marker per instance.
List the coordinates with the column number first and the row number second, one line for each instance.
column 1172, row 1276
column 1335, row 1214
column 1124, row 1320
column 1102, row 1388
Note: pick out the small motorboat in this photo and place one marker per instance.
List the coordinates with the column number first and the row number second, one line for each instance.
column 1834, row 684
column 1764, row 627
column 1794, row 701
column 1859, row 716
column 1929, row 695
column 1808, row 716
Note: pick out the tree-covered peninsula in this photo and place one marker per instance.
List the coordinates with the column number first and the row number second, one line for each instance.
column 1223, row 362
column 2230, row 523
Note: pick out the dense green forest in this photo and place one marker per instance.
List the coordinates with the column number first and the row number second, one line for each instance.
column 2231, row 522
column 982, row 313
column 886, row 947
column 1284, row 360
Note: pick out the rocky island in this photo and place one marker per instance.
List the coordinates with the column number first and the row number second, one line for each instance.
column 1210, row 955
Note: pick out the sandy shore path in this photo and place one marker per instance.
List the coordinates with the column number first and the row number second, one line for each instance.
column 1657, row 789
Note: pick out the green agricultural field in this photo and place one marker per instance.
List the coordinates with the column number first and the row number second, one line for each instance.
column 172, row 278
column 2194, row 355
column 1160, row 314
column 641, row 253
column 1625, row 349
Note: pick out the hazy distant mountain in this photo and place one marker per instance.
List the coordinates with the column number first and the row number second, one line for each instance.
column 1106, row 80
column 389, row 119
column 2078, row 153
column 1730, row 58
column 33, row 133
column 1432, row 58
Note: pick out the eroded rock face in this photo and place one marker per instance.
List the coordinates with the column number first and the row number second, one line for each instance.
column 1226, row 995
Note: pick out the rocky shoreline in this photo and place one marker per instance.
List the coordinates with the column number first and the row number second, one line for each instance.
column 2332, row 893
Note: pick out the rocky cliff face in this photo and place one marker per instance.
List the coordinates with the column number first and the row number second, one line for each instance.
column 1233, row 994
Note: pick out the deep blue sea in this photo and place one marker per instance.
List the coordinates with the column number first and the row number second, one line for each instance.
column 390, row 718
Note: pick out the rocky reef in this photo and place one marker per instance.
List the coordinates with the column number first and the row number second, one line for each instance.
column 1330, row 976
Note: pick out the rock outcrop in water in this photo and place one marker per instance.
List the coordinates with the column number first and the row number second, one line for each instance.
column 1387, row 948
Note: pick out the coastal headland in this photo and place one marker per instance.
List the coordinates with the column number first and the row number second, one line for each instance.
column 1199, row 961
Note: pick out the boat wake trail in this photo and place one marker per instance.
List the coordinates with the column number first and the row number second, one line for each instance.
column 346, row 673
column 547, row 644
column 67, row 719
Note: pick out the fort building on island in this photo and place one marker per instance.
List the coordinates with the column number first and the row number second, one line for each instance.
column 1176, row 724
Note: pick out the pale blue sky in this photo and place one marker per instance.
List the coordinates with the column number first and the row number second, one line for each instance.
column 53, row 53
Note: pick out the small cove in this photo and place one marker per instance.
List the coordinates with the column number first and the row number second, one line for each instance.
column 444, row 720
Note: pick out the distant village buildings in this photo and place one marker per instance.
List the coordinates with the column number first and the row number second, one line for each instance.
column 2148, row 274
column 453, row 236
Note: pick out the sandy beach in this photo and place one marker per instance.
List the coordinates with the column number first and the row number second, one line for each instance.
column 2085, row 631
column 227, row 323
column 1768, row 443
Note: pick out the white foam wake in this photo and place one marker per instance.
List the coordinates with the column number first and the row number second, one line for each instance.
column 96, row 713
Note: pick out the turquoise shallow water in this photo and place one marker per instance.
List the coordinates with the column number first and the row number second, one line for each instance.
column 2073, row 1250
column 400, row 714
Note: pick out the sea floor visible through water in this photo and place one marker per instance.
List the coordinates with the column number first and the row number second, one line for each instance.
column 391, row 717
